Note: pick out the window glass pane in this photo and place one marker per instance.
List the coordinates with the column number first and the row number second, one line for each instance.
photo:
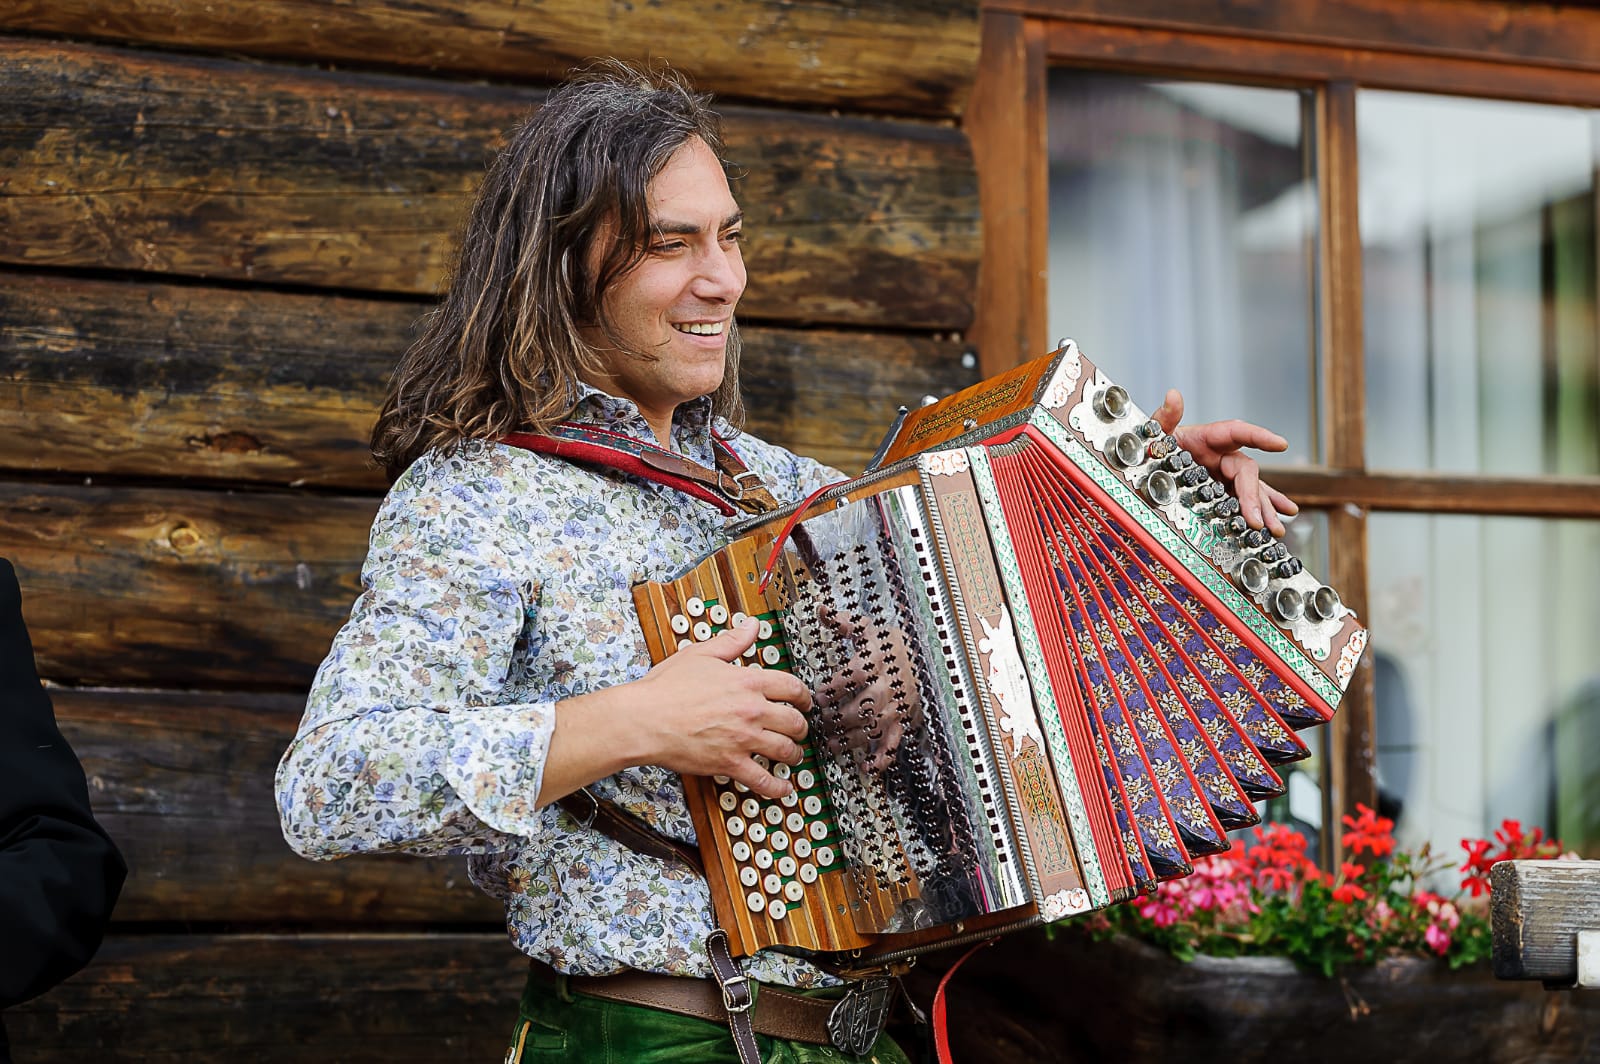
column 1478, row 258
column 1182, row 227
column 1486, row 645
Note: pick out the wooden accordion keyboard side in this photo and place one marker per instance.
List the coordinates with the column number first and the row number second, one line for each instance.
column 746, row 856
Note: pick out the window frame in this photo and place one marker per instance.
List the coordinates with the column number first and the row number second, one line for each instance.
column 1463, row 49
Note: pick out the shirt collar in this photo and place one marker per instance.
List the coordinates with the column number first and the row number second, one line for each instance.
column 692, row 423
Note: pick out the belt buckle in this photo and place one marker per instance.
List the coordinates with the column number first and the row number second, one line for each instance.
column 857, row 1020
column 731, row 989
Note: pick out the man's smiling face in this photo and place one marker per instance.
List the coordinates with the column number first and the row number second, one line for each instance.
column 677, row 304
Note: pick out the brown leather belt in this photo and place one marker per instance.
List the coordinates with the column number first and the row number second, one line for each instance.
column 777, row 1013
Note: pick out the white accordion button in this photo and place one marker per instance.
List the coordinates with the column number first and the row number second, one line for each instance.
column 770, row 655
column 773, row 815
column 763, row 859
column 750, row 651
column 735, row 825
column 802, row 847
column 728, row 800
column 778, row 840
column 825, row 856
column 760, row 760
column 808, row 873
column 805, row 780
column 749, row 876
column 680, row 623
column 718, row 614
column 819, row 830
column 694, row 607
column 786, row 865
column 794, row 891
column 777, row 910
column 790, row 800
column 723, row 780
column 685, row 644
column 737, row 619
column 702, row 631
column 757, row 833
column 756, row 901
column 750, row 808
column 796, row 822
column 764, row 630
column 741, row 851
column 773, row 883
column 782, row 771
column 812, row 805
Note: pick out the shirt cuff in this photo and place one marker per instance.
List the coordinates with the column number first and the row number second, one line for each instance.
column 495, row 763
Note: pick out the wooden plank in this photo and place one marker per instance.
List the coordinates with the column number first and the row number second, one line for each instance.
column 183, row 782
column 902, row 56
column 1549, row 34
column 151, row 380
column 1242, row 59
column 173, row 588
column 1341, row 336
column 222, row 169
column 1006, row 123
column 296, row 999
column 1537, row 909
column 1443, row 492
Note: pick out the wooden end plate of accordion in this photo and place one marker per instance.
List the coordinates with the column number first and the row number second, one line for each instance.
column 1050, row 665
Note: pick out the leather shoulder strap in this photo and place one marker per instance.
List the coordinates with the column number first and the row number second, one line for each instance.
column 611, row 821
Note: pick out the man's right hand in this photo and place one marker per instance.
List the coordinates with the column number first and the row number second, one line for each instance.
column 695, row 713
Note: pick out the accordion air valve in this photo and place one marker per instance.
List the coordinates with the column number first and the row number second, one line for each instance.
column 1051, row 666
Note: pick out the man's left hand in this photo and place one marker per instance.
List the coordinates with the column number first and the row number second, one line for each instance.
column 1218, row 446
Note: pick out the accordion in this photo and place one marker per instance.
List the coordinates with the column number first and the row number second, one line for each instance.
column 1050, row 667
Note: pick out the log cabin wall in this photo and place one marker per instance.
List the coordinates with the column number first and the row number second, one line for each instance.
column 219, row 225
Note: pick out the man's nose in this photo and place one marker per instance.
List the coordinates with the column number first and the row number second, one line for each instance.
column 721, row 276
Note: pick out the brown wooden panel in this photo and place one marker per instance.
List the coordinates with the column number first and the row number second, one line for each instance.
column 296, row 999
column 222, row 169
column 1443, row 492
column 177, row 588
column 1274, row 62
column 1538, row 909
column 1007, row 125
column 1555, row 34
column 183, row 782
column 98, row 377
column 906, row 56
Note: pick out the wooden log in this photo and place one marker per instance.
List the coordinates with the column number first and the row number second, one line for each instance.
column 905, row 56
column 222, row 169
column 1538, row 908
column 296, row 999
column 155, row 380
column 183, row 782
column 172, row 588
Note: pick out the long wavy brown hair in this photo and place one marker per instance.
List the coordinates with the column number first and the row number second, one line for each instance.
column 503, row 351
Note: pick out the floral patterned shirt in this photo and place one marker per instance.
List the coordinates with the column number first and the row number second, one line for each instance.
column 497, row 582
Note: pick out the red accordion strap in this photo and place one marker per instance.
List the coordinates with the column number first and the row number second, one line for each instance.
column 941, row 1031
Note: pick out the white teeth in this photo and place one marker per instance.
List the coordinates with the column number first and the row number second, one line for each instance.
column 696, row 328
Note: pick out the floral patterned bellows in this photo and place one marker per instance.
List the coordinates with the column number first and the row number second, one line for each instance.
column 497, row 583
column 1266, row 897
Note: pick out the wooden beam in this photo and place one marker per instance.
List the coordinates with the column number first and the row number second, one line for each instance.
column 1541, row 34
column 104, row 378
column 1007, row 126
column 1577, row 497
column 1242, row 59
column 174, row 588
column 902, row 56
column 1537, row 909
column 183, row 782
column 1342, row 416
column 281, row 999
column 206, row 168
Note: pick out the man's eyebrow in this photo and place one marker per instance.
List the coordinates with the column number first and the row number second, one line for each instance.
column 672, row 228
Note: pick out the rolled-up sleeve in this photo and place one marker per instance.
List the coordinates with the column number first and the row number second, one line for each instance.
column 408, row 740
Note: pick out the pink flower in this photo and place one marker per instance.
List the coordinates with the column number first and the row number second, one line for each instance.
column 1438, row 939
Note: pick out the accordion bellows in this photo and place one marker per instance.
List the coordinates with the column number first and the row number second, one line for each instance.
column 1051, row 667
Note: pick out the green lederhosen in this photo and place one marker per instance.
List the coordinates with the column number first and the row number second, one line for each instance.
column 555, row 1024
